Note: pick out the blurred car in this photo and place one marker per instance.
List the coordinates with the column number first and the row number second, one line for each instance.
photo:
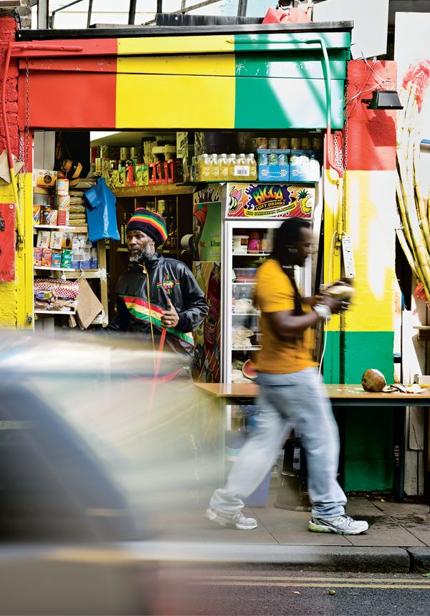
column 90, row 450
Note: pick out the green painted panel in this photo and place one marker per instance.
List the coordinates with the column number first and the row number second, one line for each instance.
column 351, row 353
column 277, row 103
column 291, row 40
column 298, row 65
column 367, row 432
column 368, row 444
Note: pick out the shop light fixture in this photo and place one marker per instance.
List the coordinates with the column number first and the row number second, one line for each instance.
column 383, row 99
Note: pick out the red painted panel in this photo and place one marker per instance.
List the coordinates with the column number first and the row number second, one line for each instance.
column 370, row 135
column 75, row 64
column 7, row 242
column 90, row 47
column 70, row 100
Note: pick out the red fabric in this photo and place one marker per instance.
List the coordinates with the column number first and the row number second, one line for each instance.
column 419, row 76
column 293, row 15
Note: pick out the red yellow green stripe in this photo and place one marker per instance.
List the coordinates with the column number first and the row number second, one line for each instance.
column 144, row 311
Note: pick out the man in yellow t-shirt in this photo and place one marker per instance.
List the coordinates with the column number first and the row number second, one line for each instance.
column 291, row 394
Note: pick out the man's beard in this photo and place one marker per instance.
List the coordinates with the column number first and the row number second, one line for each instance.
column 145, row 254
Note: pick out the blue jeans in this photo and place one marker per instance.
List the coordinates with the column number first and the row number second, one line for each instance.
column 297, row 400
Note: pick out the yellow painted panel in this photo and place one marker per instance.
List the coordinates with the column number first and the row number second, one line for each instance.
column 16, row 298
column 175, row 44
column 370, row 221
column 332, row 253
column 203, row 64
column 25, row 256
column 178, row 101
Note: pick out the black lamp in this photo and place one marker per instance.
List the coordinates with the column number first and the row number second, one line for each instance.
column 383, row 99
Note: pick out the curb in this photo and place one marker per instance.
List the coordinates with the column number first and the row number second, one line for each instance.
column 322, row 558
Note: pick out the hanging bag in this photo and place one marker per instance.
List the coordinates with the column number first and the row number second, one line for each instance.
column 101, row 212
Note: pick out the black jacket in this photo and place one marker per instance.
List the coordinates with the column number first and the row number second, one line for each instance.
column 165, row 278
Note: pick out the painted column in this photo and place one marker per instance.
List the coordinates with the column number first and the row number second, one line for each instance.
column 364, row 337
column 15, row 296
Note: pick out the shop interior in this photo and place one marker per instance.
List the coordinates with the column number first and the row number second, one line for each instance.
column 158, row 170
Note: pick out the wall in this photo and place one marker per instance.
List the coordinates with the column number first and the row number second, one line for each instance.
column 364, row 337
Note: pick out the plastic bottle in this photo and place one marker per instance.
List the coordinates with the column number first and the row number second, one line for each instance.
column 252, row 167
column 231, row 166
column 314, row 169
column 283, row 166
column 203, row 166
column 214, row 169
column 223, row 167
column 241, row 168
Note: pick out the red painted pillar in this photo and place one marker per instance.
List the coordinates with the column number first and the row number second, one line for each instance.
column 7, row 34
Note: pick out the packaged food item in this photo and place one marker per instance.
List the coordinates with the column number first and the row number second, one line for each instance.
column 66, row 259
column 67, row 241
column 37, row 256
column 56, row 242
column 273, row 143
column 46, row 260
column 261, row 143
column 240, row 244
column 62, row 186
column 43, row 239
column 63, row 218
column 44, row 177
column 62, row 202
column 56, row 258
column 36, row 214
column 254, row 242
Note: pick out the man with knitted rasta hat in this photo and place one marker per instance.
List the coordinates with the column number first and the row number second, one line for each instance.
column 156, row 292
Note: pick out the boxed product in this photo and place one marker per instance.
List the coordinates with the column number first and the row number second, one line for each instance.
column 66, row 259
column 56, row 242
column 273, row 166
column 43, row 239
column 67, row 242
column 36, row 214
column 142, row 175
column 44, row 178
column 46, row 257
column 56, row 258
column 48, row 215
column 37, row 256
column 63, row 218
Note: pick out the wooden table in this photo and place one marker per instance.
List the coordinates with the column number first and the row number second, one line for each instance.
column 340, row 396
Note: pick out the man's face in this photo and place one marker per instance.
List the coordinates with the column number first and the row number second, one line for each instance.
column 140, row 245
column 304, row 247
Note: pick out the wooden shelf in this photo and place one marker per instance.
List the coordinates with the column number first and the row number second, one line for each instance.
column 80, row 229
column 154, row 190
column 56, row 312
column 251, row 254
column 71, row 273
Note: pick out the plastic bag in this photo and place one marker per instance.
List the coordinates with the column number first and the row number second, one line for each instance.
column 101, row 212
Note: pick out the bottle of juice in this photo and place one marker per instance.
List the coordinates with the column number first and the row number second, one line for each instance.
column 231, row 166
column 241, row 169
column 204, row 167
column 252, row 167
column 214, row 167
column 223, row 167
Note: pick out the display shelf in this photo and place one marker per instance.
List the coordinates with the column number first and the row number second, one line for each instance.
column 154, row 190
column 56, row 312
column 249, row 348
column 71, row 273
column 79, row 229
column 251, row 254
column 246, row 314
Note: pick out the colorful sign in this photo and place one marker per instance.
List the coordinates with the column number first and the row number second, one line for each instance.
column 269, row 201
column 7, row 242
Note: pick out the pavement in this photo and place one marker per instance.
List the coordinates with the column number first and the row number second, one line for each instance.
column 398, row 539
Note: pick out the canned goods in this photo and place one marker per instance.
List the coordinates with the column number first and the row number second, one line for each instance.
column 62, row 186
column 284, row 143
column 273, row 143
column 261, row 143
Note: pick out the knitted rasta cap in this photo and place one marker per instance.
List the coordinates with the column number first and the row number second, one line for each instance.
column 150, row 223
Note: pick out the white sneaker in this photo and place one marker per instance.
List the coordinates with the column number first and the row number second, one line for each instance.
column 237, row 520
column 342, row 525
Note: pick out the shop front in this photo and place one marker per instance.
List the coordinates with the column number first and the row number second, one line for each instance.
column 277, row 95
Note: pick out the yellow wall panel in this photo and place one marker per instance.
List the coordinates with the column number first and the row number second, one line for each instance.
column 175, row 44
column 370, row 221
column 202, row 64
column 174, row 101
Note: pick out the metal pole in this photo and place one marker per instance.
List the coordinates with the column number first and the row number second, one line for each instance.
column 241, row 8
column 43, row 15
column 159, row 6
column 90, row 12
column 131, row 12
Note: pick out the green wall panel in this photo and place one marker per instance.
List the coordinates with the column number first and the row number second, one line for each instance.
column 349, row 354
column 278, row 103
column 367, row 432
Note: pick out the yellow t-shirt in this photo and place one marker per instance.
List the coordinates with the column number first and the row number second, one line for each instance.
column 275, row 293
